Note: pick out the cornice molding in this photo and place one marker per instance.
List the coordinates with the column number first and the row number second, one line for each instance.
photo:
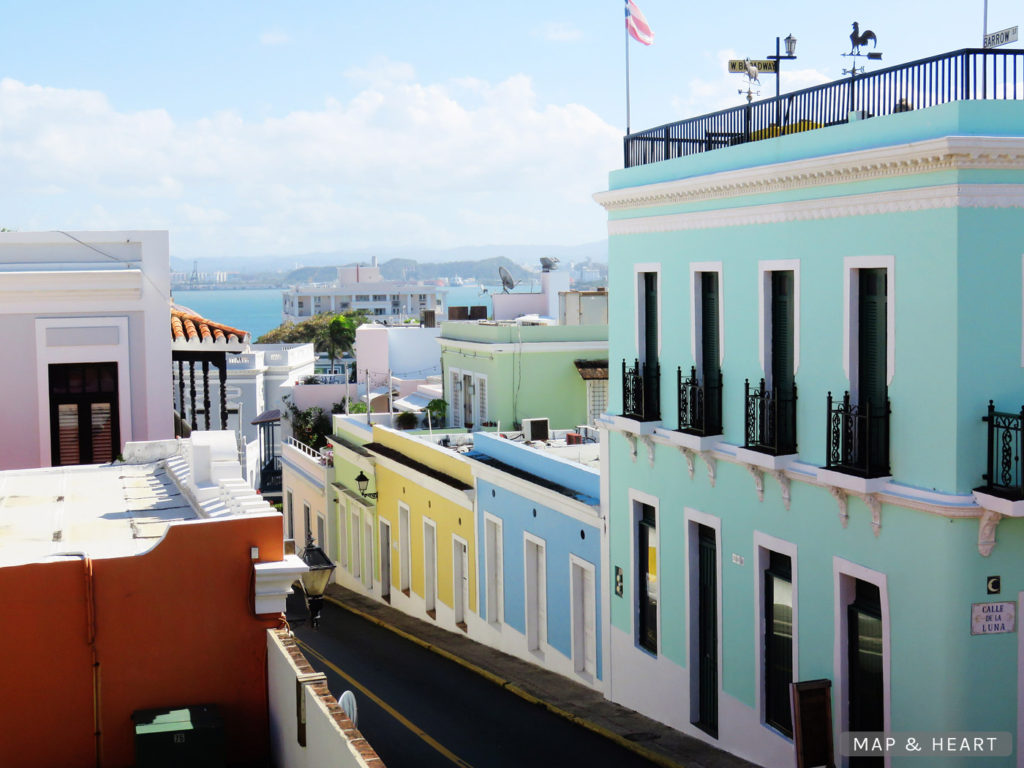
column 895, row 201
column 956, row 153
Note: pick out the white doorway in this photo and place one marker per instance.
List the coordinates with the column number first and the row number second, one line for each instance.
column 584, row 617
column 460, row 569
column 536, row 593
column 495, row 571
column 430, row 567
column 405, row 549
column 385, row 560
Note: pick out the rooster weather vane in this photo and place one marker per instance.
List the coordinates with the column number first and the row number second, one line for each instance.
column 857, row 39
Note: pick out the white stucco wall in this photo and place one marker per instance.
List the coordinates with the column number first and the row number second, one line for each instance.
column 328, row 741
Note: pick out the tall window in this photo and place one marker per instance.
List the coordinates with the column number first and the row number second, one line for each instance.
column 710, row 370
column 306, row 517
column 865, row 664
column 290, row 509
column 84, row 420
column 778, row 641
column 782, row 359
column 647, row 578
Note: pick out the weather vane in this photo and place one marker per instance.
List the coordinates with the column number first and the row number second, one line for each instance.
column 751, row 72
column 857, row 39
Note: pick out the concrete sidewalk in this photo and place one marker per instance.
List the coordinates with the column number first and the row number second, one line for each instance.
column 588, row 708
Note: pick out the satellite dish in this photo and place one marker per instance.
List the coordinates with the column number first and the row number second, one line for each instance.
column 548, row 263
column 507, row 283
column 348, row 704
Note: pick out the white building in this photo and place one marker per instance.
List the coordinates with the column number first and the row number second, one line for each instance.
column 363, row 288
column 84, row 318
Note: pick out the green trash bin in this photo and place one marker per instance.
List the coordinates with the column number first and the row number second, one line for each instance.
column 176, row 736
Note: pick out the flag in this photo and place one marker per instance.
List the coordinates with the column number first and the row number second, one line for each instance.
column 637, row 24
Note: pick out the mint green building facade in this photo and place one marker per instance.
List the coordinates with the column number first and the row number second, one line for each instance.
column 900, row 240
column 504, row 372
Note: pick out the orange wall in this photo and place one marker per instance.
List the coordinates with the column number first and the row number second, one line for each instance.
column 173, row 627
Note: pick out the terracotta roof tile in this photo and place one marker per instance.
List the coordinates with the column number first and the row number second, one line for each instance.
column 186, row 325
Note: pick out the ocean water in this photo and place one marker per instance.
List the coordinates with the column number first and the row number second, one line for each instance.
column 255, row 310
column 259, row 310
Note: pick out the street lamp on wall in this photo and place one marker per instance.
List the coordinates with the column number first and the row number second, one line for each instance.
column 790, row 42
column 363, row 482
column 314, row 581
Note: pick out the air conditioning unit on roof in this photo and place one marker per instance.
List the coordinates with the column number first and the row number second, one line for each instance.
column 535, row 429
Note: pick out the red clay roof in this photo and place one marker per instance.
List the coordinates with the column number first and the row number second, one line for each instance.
column 186, row 325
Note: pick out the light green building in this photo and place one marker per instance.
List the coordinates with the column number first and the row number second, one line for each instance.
column 759, row 535
column 501, row 372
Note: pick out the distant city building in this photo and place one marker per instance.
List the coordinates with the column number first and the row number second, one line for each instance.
column 360, row 288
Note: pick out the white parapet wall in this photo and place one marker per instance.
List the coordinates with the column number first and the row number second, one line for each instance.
column 311, row 730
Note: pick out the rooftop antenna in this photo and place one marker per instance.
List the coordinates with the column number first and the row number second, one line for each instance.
column 507, row 283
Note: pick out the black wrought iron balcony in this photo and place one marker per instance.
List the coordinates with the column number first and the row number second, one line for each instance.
column 770, row 420
column 857, row 439
column 700, row 403
column 641, row 391
column 968, row 74
column 270, row 476
column 1003, row 474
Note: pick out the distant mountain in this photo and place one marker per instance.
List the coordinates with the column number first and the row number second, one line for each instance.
column 484, row 271
column 527, row 255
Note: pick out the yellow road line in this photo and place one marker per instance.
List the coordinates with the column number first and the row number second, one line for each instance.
column 386, row 707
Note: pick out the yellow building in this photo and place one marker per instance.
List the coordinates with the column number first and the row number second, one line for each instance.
column 353, row 543
column 425, row 528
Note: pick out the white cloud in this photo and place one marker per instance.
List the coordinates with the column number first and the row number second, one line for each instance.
column 402, row 163
column 275, row 38
column 559, row 32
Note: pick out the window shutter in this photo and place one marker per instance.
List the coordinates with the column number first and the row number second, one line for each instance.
column 481, row 398
column 456, row 399
column 782, row 333
column 709, row 325
column 872, row 337
column 650, row 317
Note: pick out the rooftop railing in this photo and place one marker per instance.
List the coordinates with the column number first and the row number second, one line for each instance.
column 968, row 74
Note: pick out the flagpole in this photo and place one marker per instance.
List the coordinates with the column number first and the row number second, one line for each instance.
column 625, row 29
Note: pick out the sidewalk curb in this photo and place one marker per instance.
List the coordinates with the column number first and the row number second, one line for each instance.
column 511, row 687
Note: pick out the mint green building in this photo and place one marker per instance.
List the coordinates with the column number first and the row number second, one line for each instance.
column 501, row 372
column 805, row 335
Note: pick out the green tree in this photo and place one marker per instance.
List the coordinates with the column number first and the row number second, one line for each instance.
column 311, row 426
column 341, row 335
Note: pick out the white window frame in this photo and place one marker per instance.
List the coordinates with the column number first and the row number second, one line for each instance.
column 851, row 316
column 844, row 574
column 46, row 355
column 696, row 269
column 764, row 312
column 692, row 518
column 432, row 587
column 638, row 306
column 763, row 546
column 636, row 498
column 404, row 548
column 480, row 403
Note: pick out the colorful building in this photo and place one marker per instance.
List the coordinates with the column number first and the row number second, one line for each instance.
column 504, row 372
column 540, row 555
column 757, row 538
column 155, row 584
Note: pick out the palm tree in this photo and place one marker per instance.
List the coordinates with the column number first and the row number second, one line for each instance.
column 342, row 335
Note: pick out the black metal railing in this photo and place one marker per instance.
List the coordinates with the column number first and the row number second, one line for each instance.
column 641, row 391
column 1003, row 474
column 857, row 438
column 700, row 404
column 770, row 420
column 968, row 74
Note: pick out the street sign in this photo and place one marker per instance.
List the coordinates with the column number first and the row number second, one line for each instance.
column 739, row 66
column 1002, row 37
column 993, row 618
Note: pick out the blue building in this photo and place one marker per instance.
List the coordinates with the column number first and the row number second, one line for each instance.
column 540, row 554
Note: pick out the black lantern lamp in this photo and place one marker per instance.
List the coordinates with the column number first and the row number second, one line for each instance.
column 778, row 58
column 363, row 482
column 314, row 581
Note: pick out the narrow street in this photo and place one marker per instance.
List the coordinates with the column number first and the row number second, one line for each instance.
column 420, row 710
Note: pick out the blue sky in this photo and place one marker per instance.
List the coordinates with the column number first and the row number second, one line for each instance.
column 287, row 128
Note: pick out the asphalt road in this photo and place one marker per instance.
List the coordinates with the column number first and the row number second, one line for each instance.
column 420, row 710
